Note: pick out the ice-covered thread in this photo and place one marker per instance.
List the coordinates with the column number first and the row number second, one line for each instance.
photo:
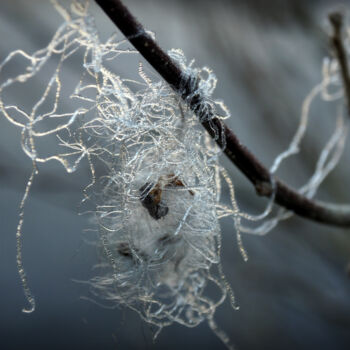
column 155, row 177
column 330, row 154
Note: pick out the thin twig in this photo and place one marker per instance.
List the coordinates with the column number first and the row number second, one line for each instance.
column 250, row 166
column 336, row 20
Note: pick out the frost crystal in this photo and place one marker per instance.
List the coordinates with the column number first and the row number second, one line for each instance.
column 155, row 176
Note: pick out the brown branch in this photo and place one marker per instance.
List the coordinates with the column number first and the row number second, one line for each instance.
column 336, row 20
column 249, row 165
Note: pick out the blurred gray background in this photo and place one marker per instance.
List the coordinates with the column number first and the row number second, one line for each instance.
column 293, row 292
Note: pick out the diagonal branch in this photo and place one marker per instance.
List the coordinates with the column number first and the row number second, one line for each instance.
column 249, row 165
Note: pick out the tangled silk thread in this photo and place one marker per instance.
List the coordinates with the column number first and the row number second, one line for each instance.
column 155, row 176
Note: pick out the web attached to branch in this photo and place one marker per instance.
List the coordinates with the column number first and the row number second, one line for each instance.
column 329, row 90
column 156, row 181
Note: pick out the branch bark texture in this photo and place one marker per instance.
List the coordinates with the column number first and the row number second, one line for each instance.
column 245, row 161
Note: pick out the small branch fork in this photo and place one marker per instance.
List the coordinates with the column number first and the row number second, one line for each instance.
column 245, row 161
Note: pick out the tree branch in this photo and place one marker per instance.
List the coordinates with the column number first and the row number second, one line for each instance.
column 245, row 161
column 336, row 20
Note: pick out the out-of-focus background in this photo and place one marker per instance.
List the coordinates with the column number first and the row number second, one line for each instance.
column 293, row 292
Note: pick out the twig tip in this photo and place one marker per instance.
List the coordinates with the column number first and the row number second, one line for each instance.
column 336, row 19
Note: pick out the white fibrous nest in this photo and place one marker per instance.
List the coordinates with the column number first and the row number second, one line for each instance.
column 155, row 176
column 156, row 209
column 155, row 179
